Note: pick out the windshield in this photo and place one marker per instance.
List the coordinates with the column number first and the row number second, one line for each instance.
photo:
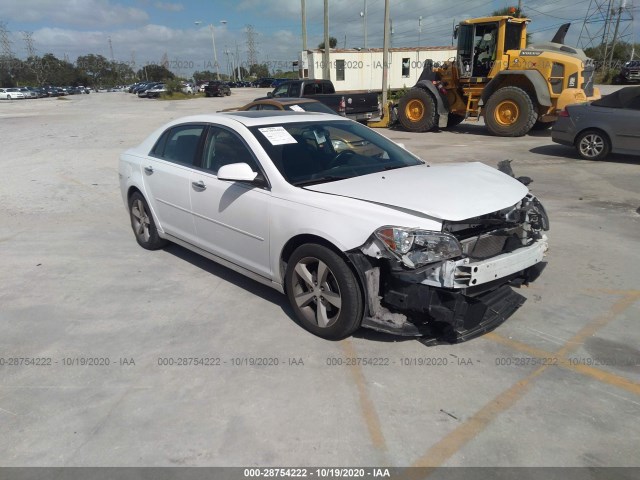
column 308, row 153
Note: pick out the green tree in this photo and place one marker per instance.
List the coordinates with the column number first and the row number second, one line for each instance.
column 259, row 70
column 203, row 76
column 333, row 41
column 155, row 73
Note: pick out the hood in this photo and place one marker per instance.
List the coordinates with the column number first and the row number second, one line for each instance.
column 446, row 192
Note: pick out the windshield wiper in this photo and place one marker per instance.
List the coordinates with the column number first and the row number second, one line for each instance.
column 313, row 181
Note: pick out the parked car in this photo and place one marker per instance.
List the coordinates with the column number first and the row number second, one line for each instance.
column 144, row 90
column 156, row 90
column 629, row 73
column 216, row 88
column 265, row 82
column 11, row 94
column 39, row 92
column 27, row 93
column 383, row 240
column 291, row 104
column 596, row 129
column 187, row 88
column 357, row 106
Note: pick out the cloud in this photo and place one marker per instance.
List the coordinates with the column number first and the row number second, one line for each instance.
column 169, row 7
column 79, row 13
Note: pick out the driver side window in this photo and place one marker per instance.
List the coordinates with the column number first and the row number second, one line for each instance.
column 224, row 147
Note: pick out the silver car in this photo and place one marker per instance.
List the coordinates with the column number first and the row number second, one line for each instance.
column 603, row 126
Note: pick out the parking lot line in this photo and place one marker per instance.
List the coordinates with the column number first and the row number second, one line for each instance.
column 369, row 412
column 593, row 372
column 448, row 446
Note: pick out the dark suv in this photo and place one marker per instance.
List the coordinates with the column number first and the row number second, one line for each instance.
column 216, row 88
column 630, row 72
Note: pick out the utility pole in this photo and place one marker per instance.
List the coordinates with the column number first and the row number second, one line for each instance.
column 419, row 34
column 326, row 71
column 365, row 24
column 304, row 25
column 385, row 54
column 519, row 8
column 615, row 32
column 111, row 50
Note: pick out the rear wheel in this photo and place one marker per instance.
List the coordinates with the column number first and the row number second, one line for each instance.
column 510, row 112
column 417, row 111
column 323, row 292
column 144, row 228
column 593, row 145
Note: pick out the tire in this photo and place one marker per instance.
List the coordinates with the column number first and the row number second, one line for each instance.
column 510, row 112
column 144, row 228
column 454, row 120
column 417, row 111
column 338, row 318
column 542, row 125
column 618, row 80
column 8, row 97
column 593, row 145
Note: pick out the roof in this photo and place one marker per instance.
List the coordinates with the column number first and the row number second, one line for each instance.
column 260, row 117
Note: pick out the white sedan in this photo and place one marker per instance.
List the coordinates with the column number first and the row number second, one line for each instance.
column 374, row 238
column 11, row 94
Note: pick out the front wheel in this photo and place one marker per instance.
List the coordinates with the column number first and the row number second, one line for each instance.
column 323, row 292
column 510, row 112
column 144, row 228
column 593, row 145
column 417, row 111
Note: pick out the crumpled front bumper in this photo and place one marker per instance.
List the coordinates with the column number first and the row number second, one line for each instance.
column 472, row 299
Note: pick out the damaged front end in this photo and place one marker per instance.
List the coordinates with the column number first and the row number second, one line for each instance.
column 452, row 285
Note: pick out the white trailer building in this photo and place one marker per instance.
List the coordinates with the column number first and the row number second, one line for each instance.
column 353, row 69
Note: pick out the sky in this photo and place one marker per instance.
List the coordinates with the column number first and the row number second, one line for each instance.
column 142, row 31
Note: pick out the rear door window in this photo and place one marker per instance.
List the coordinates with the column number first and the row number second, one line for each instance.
column 179, row 144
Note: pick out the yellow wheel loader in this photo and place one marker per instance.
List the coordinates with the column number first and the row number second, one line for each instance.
column 495, row 75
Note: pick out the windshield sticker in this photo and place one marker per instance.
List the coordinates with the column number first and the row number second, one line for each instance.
column 320, row 138
column 277, row 135
column 296, row 108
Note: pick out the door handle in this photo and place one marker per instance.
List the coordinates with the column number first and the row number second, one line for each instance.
column 199, row 185
column 148, row 170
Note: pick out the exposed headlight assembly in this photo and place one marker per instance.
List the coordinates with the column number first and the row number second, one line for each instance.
column 418, row 247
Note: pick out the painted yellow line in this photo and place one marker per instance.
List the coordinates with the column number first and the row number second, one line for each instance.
column 557, row 360
column 442, row 451
column 369, row 412
column 591, row 328
column 438, row 454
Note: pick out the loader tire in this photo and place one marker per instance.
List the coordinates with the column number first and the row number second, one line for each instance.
column 510, row 112
column 417, row 111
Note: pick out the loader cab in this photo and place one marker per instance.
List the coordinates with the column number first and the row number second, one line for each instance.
column 483, row 42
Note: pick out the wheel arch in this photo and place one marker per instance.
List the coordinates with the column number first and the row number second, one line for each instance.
column 442, row 104
column 530, row 81
column 306, row 238
column 592, row 129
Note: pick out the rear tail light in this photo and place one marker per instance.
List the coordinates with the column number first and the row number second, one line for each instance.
column 343, row 106
column 564, row 112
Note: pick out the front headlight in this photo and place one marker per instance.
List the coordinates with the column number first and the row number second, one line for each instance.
column 418, row 247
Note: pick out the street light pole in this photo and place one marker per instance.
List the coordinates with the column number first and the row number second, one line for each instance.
column 215, row 53
column 213, row 43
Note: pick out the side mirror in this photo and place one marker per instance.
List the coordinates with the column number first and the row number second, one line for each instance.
column 455, row 31
column 237, row 172
column 269, row 94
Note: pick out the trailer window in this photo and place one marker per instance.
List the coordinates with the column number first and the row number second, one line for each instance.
column 405, row 67
column 339, row 70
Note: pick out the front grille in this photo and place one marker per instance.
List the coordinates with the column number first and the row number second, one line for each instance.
column 488, row 245
column 587, row 75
